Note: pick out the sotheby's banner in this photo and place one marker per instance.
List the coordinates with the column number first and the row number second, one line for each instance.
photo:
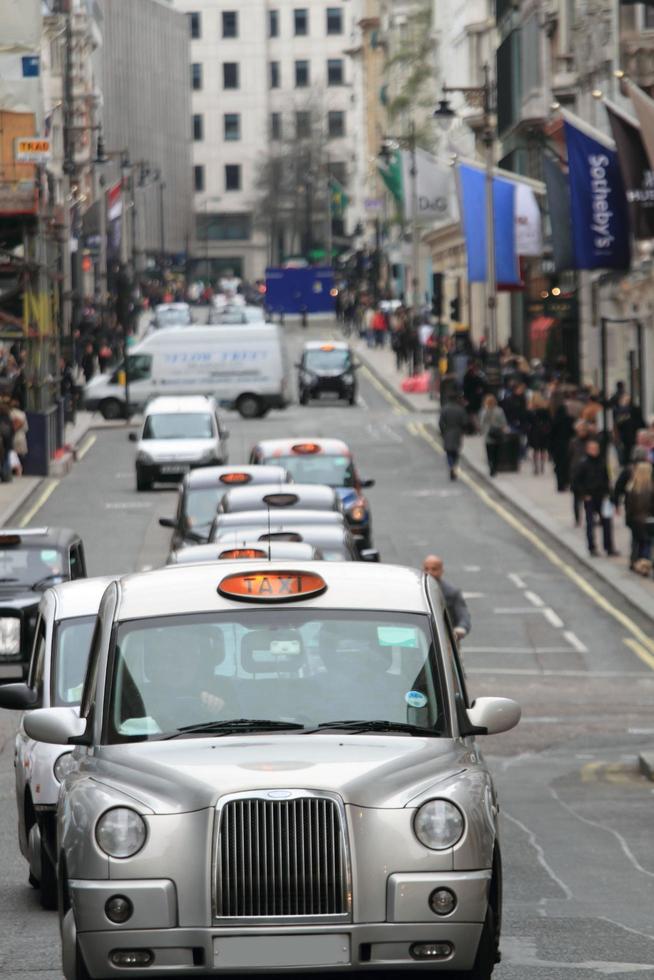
column 600, row 220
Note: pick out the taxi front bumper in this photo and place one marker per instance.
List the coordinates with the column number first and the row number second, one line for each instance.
column 279, row 948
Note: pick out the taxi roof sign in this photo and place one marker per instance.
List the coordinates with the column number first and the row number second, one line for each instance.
column 242, row 553
column 235, row 478
column 280, row 499
column 306, row 448
column 272, row 586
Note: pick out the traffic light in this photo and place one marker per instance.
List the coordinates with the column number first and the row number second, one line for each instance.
column 437, row 295
column 455, row 310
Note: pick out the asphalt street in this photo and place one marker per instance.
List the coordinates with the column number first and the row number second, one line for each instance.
column 578, row 819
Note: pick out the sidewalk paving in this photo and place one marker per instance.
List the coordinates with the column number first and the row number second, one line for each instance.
column 534, row 496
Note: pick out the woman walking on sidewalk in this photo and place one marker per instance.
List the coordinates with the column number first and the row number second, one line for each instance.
column 539, row 430
column 493, row 425
column 452, row 423
column 639, row 508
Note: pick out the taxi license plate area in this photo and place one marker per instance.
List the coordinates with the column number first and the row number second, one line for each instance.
column 259, row 952
column 174, row 469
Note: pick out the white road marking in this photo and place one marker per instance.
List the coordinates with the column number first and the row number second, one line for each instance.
column 552, row 617
column 472, row 568
column 91, row 441
column 575, row 642
column 474, row 595
column 540, row 855
column 515, row 610
column 128, row 505
column 535, row 672
column 534, row 599
column 48, row 490
column 517, row 581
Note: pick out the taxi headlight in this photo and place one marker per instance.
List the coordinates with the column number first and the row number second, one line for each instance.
column 64, row 764
column 348, row 378
column 438, row 824
column 208, row 455
column 9, row 634
column 357, row 513
column 120, row 832
column 144, row 458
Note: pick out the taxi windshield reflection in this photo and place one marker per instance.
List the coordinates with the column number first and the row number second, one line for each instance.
column 295, row 667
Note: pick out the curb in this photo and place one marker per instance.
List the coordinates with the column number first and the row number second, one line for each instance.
column 640, row 607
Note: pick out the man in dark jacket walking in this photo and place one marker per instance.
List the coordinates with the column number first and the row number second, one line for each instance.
column 452, row 423
column 456, row 605
column 593, row 486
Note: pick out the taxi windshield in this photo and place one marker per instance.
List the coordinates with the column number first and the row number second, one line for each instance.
column 299, row 669
column 200, row 506
column 327, row 360
column 334, row 471
column 180, row 425
column 72, row 642
column 31, row 564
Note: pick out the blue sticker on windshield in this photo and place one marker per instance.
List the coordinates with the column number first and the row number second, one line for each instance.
column 415, row 699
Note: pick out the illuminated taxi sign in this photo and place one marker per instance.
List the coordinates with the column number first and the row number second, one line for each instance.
column 242, row 553
column 9, row 540
column 306, row 448
column 327, row 347
column 235, row 478
column 280, row 499
column 269, row 586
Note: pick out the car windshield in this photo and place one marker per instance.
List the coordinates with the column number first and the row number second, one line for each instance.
column 168, row 318
column 334, row 471
column 327, row 360
column 72, row 642
column 200, row 506
column 178, row 425
column 291, row 668
column 30, row 564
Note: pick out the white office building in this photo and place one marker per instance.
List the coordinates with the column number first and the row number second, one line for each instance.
column 273, row 120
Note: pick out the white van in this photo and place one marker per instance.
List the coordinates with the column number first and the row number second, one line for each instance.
column 242, row 367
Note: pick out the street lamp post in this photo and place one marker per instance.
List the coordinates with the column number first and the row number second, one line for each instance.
column 481, row 96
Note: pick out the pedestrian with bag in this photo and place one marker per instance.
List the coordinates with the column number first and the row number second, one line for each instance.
column 593, row 484
column 452, row 424
column 639, row 516
column 492, row 425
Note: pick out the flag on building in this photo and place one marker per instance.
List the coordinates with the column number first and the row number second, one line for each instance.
column 528, row 222
column 472, row 190
column 114, row 220
column 558, row 204
column 339, row 200
column 600, row 217
column 434, row 188
column 644, row 109
column 390, row 171
column 114, row 201
column 637, row 173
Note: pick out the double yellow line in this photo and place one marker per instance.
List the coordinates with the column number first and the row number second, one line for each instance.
column 51, row 485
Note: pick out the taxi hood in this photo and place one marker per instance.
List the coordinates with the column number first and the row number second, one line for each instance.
column 367, row 770
column 176, row 449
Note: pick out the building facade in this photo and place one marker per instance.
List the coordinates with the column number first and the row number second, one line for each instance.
column 273, row 122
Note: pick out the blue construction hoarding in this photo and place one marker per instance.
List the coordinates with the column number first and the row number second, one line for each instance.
column 298, row 290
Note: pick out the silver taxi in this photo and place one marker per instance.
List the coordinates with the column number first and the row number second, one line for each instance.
column 62, row 640
column 276, row 769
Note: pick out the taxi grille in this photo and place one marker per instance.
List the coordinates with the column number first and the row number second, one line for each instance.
column 281, row 858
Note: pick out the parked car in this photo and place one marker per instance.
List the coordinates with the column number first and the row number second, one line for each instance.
column 177, row 435
column 31, row 559
column 66, row 617
column 302, row 792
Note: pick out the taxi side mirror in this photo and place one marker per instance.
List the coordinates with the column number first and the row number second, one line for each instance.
column 491, row 716
column 18, row 697
column 367, row 483
column 133, row 437
column 55, row 726
column 168, row 522
column 369, row 554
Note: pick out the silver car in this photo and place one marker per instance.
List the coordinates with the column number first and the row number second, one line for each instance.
column 276, row 769
column 62, row 640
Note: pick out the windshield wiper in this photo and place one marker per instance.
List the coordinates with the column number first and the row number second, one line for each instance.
column 42, row 582
column 377, row 725
column 236, row 725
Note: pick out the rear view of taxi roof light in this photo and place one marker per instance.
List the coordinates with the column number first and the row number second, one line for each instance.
column 272, row 586
column 281, row 499
column 306, row 448
column 132, row 957
column 242, row 553
column 235, row 478
column 431, row 951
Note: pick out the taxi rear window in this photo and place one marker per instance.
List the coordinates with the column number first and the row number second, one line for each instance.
column 307, row 666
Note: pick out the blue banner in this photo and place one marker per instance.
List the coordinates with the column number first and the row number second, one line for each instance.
column 473, row 206
column 600, row 218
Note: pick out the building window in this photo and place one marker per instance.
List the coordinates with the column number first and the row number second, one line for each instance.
column 274, row 74
column 301, row 22
column 223, row 227
column 232, row 176
column 196, row 76
column 232, row 126
column 302, row 124
column 198, row 178
column 230, row 74
column 302, row 74
column 230, row 23
column 334, row 20
column 335, row 71
column 276, row 126
column 195, row 25
column 335, row 124
column 338, row 171
column 648, row 19
column 273, row 23
column 198, row 127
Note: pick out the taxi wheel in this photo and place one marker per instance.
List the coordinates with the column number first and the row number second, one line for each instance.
column 142, row 482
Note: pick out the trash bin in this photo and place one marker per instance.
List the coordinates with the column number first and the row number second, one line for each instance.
column 509, row 455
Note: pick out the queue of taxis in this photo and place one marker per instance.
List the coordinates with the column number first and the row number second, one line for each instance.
column 306, row 794
column 328, row 462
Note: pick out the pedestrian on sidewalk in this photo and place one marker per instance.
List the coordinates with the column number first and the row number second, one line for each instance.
column 474, row 388
column 379, row 327
column 627, row 420
column 639, row 510
column 456, row 605
column 577, row 455
column 594, row 486
column 7, row 439
column 561, row 435
column 453, row 423
column 539, row 431
column 492, row 425
column 20, row 426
